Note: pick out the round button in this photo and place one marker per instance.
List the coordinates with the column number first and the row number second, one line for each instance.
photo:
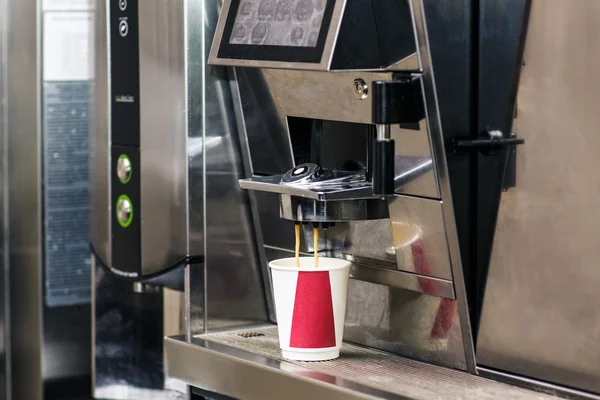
column 123, row 5
column 124, row 168
column 123, row 28
column 124, row 211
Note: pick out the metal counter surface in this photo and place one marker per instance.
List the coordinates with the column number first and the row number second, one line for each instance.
column 250, row 366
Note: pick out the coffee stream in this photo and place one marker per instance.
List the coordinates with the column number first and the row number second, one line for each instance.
column 297, row 245
column 315, row 245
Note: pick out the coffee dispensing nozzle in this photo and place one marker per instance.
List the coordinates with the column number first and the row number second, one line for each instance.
column 393, row 102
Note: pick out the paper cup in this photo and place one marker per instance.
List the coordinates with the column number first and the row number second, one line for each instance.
column 311, row 306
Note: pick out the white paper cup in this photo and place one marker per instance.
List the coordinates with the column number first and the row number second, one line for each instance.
column 311, row 306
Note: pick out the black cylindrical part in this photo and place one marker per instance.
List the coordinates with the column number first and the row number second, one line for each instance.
column 383, row 168
column 396, row 102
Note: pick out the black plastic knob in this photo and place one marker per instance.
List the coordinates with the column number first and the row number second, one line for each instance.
column 384, row 165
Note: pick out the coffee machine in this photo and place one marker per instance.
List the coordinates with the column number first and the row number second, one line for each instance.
column 388, row 125
column 365, row 152
column 344, row 127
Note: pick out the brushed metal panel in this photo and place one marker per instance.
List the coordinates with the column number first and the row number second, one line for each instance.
column 100, row 207
column 540, row 314
column 322, row 95
column 404, row 322
column 162, row 133
column 24, row 198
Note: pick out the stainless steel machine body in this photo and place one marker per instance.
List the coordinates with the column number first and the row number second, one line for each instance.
column 164, row 169
column 306, row 126
column 406, row 256
column 420, row 286
column 45, row 259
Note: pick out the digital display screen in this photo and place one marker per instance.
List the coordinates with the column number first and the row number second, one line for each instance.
column 295, row 23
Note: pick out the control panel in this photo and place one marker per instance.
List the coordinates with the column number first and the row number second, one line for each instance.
column 125, row 138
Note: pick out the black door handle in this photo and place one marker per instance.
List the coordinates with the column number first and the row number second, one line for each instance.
column 487, row 143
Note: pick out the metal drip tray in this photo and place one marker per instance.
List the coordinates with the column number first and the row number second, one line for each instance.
column 247, row 364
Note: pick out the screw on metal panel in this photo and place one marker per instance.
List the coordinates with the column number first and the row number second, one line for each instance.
column 361, row 89
column 250, row 334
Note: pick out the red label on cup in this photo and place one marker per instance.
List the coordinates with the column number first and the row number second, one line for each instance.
column 312, row 322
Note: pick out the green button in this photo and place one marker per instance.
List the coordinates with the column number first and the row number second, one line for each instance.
column 124, row 210
column 124, row 168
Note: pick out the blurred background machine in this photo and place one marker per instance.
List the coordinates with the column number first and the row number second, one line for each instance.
column 45, row 291
column 389, row 124
column 166, row 208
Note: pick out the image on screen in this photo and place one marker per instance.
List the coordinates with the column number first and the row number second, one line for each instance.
column 278, row 22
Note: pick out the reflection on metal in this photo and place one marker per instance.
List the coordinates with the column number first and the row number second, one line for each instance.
column 257, row 371
column 540, row 314
column 369, row 272
column 419, row 236
column 129, row 326
column 232, row 288
column 405, row 322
